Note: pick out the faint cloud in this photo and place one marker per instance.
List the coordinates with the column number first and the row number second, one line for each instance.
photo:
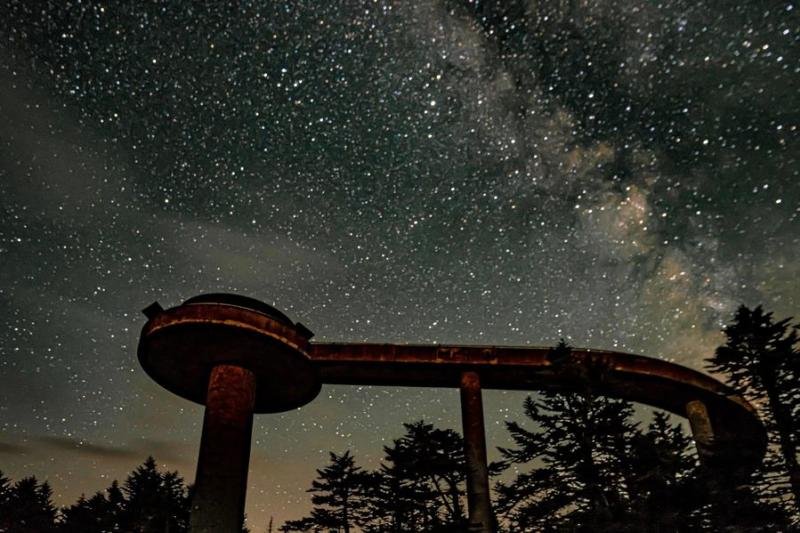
column 82, row 447
column 164, row 451
column 48, row 161
column 8, row 448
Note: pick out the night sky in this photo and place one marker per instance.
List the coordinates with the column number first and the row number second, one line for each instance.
column 620, row 174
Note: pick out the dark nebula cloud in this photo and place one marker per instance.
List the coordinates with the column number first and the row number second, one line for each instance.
column 621, row 174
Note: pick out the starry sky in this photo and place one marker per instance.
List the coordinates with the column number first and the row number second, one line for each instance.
column 620, row 174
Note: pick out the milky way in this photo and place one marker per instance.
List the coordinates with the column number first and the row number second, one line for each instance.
column 619, row 174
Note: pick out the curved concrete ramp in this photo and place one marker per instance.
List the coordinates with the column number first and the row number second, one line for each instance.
column 727, row 429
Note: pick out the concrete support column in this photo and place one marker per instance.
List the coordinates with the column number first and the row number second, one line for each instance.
column 478, row 502
column 221, row 481
column 702, row 429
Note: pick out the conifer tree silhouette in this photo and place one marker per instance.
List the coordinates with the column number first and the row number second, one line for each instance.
column 339, row 496
column 661, row 480
column 5, row 501
column 761, row 358
column 29, row 508
column 419, row 487
column 154, row 501
column 594, row 468
column 101, row 513
column 422, row 482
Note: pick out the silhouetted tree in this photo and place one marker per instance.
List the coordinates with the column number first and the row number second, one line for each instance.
column 669, row 490
column 580, row 477
column 661, row 480
column 760, row 359
column 580, row 443
column 116, row 503
column 84, row 516
column 434, row 457
column 595, row 469
column 400, row 501
column 303, row 525
column 150, row 501
column 155, row 502
column 28, row 508
column 420, row 483
column 5, row 500
column 101, row 513
column 339, row 496
column 419, row 487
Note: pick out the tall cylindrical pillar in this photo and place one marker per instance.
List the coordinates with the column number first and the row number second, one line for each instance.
column 221, row 481
column 702, row 429
column 478, row 502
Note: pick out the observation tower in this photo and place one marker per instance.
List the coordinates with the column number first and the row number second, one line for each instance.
column 239, row 356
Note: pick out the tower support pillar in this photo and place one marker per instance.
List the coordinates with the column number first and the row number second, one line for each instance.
column 478, row 502
column 221, row 481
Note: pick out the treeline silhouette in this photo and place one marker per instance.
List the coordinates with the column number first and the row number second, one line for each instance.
column 579, row 462
column 149, row 501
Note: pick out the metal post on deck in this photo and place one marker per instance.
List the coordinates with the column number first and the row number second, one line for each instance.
column 478, row 502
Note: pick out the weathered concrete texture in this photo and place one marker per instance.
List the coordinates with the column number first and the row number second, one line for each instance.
column 702, row 430
column 221, row 481
column 237, row 356
column 739, row 438
column 179, row 347
column 478, row 497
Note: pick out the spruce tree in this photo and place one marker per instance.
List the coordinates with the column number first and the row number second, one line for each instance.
column 591, row 466
column 81, row 517
column 580, row 478
column 339, row 496
column 116, row 503
column 101, row 513
column 155, row 501
column 30, row 508
column 661, row 474
column 303, row 525
column 760, row 359
column 421, row 482
column 432, row 460
column 400, row 501
column 5, row 501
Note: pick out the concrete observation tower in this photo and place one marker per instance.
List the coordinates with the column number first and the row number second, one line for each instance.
column 239, row 356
